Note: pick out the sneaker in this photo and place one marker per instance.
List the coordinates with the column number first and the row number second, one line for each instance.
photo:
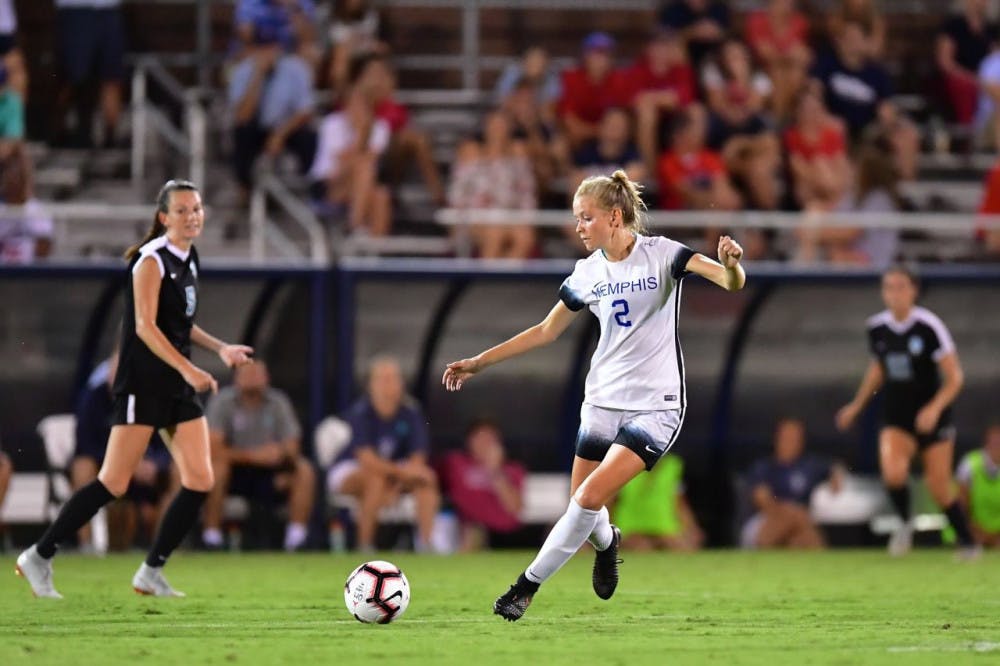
column 150, row 581
column 901, row 541
column 605, row 577
column 38, row 572
column 512, row 603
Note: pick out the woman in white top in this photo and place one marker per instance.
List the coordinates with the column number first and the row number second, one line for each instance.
column 635, row 397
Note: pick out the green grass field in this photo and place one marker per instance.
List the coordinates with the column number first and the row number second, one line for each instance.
column 711, row 608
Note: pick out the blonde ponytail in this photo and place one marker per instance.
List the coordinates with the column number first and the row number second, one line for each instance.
column 617, row 191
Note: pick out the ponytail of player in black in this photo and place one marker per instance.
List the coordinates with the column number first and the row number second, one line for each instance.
column 162, row 206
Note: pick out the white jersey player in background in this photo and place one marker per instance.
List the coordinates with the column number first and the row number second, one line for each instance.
column 635, row 399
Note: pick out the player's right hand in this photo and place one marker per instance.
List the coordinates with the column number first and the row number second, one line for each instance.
column 457, row 372
column 200, row 380
column 845, row 417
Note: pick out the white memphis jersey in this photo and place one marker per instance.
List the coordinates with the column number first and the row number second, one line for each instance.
column 638, row 364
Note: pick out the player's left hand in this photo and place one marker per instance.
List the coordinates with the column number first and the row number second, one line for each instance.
column 927, row 418
column 730, row 252
column 457, row 372
column 236, row 355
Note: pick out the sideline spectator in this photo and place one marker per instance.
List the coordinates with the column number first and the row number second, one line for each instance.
column 10, row 53
column 779, row 38
column 495, row 174
column 292, row 21
column 90, row 36
column 271, row 98
column 154, row 481
column 485, row 488
column 817, row 154
column 692, row 176
column 864, row 12
column 653, row 513
column 354, row 34
column 387, row 455
column 25, row 235
column 257, row 454
column 6, row 471
column 590, row 89
column 962, row 44
column 781, row 487
column 704, row 24
column 978, row 477
column 345, row 171
column 738, row 127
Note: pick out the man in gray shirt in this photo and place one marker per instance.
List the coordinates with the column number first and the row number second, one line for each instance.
column 256, row 453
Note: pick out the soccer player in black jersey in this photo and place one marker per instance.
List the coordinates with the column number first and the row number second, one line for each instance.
column 915, row 364
column 156, row 388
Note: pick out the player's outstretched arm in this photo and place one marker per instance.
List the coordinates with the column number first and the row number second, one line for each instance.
column 727, row 272
column 542, row 333
column 231, row 355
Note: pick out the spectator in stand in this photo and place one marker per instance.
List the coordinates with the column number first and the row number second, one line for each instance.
column 11, row 115
column 703, row 23
column 293, row 21
column 652, row 512
column 692, row 176
column 484, row 487
column 10, row 53
column 387, row 455
column 495, row 174
column 257, row 453
column 990, row 238
column 25, row 233
column 612, row 149
column 738, row 126
column 90, row 37
column 345, row 172
column 154, row 481
column 591, row 89
column 865, row 13
column 6, row 471
column 779, row 37
column 660, row 82
column 962, row 44
column 987, row 124
column 781, row 487
column 407, row 144
column 533, row 69
column 271, row 98
column 533, row 126
column 817, row 153
column 857, row 90
column 978, row 477
column 354, row 33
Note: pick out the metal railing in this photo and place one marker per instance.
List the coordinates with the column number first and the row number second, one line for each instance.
column 263, row 231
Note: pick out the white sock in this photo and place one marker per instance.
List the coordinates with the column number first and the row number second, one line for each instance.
column 602, row 535
column 295, row 535
column 566, row 537
column 212, row 536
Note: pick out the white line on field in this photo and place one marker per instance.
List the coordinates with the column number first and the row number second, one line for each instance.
column 982, row 646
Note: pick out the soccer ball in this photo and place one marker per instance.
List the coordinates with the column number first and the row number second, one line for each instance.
column 377, row 592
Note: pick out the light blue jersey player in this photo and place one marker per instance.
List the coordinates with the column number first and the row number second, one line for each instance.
column 635, row 396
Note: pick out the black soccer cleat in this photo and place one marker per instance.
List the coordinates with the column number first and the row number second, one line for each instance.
column 512, row 603
column 606, row 566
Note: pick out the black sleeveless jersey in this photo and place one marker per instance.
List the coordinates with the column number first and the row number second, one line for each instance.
column 140, row 371
column 908, row 352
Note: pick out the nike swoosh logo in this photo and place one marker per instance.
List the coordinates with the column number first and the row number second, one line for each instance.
column 651, row 449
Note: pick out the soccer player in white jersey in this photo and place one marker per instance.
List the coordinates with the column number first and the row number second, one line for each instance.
column 635, row 397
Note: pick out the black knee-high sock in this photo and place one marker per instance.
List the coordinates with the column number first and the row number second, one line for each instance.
column 956, row 516
column 74, row 514
column 177, row 521
column 901, row 501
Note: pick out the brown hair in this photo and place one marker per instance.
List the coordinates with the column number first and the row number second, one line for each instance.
column 617, row 191
column 162, row 206
column 906, row 269
column 877, row 170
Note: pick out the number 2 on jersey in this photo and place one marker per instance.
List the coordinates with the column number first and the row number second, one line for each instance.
column 622, row 313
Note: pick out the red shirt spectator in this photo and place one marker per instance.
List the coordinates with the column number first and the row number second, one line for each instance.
column 393, row 113
column 829, row 142
column 990, row 206
column 678, row 78
column 762, row 32
column 698, row 170
column 588, row 99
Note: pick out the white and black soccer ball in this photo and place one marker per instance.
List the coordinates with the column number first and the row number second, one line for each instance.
column 377, row 592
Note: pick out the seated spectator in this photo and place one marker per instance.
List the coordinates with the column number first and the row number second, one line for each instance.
column 693, row 177
column 612, row 149
column 864, row 12
column 987, row 123
column 591, row 89
column 738, row 127
column 653, row 514
column 781, row 488
column 703, row 23
column 11, row 114
column 534, row 70
column 779, row 38
column 26, row 228
column 90, row 38
column 354, row 34
column 978, row 477
column 153, row 483
column 6, row 471
column 257, row 454
column 484, row 487
column 408, row 145
column 990, row 238
column 345, row 171
column 10, row 53
column 271, row 98
column 962, row 44
column 534, row 127
column 817, row 153
column 495, row 174
column 387, row 455
column 293, row 21
column 857, row 89
column 660, row 82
